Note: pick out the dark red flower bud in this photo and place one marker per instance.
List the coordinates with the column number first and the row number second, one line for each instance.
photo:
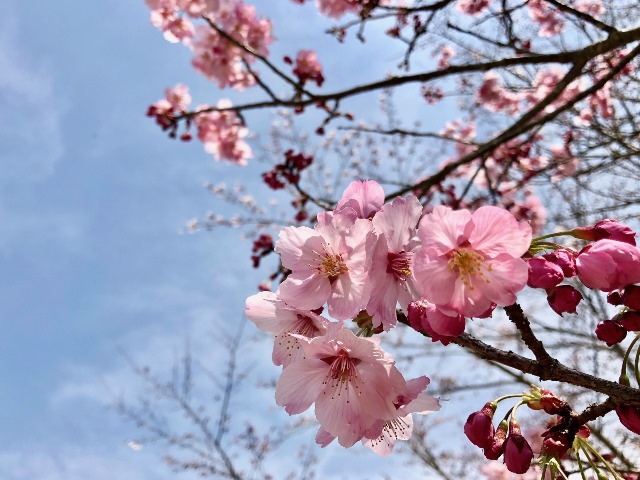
column 614, row 298
column 564, row 299
column 495, row 449
column 479, row 426
column 610, row 332
column 517, row 451
column 584, row 431
column 629, row 320
column 630, row 418
column 556, row 445
column 543, row 273
column 607, row 228
column 631, row 297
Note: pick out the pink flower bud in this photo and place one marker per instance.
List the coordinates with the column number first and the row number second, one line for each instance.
column 517, row 451
column 608, row 265
column 629, row 320
column 479, row 427
column 584, row 431
column 494, row 450
column 565, row 260
column 630, row 418
column 542, row 399
column 563, row 299
column 543, row 273
column 610, row 332
column 631, row 297
column 607, row 228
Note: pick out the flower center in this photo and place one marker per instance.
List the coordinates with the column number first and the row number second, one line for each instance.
column 399, row 265
column 467, row 262
column 331, row 266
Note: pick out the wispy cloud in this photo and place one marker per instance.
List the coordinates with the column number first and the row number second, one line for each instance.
column 31, row 141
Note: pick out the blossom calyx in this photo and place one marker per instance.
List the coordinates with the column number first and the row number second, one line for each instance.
column 542, row 399
column 479, row 426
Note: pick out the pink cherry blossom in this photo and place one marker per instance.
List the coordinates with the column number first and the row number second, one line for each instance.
column 365, row 198
column 495, row 98
column 593, row 8
column 328, row 264
column 441, row 327
column 198, row 8
column 270, row 314
column 222, row 133
column 351, row 380
column 178, row 97
column 550, row 21
column 446, row 54
column 391, row 275
column 472, row 7
column 564, row 299
column 382, row 437
column 468, row 261
column 608, row 265
column 220, row 60
column 308, row 67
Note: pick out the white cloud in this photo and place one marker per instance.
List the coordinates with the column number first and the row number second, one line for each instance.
column 30, row 130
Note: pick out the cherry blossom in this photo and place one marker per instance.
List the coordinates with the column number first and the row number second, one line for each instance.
column 364, row 198
column 391, row 275
column 608, row 265
column 308, row 67
column 472, row 7
column 475, row 257
column 270, row 314
column 352, row 382
column 328, row 264
column 549, row 19
column 223, row 134
column 495, row 98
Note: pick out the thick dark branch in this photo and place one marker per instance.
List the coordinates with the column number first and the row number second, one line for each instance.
column 582, row 16
column 517, row 316
column 619, row 394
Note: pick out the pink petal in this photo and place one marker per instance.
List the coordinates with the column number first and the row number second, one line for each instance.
column 497, row 231
column 300, row 384
column 368, row 196
column 261, row 310
column 397, row 221
column 434, row 278
column 349, row 294
column 506, row 278
column 447, row 325
column 443, row 229
column 305, row 291
column 296, row 246
column 423, row 404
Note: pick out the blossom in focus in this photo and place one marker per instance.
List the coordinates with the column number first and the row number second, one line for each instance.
column 222, row 133
column 608, row 265
column 272, row 315
column 382, row 437
column 328, row 264
column 351, row 380
column 474, row 257
column 391, row 276
column 364, row 198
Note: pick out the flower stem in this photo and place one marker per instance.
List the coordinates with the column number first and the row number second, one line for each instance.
column 551, row 235
column 623, row 372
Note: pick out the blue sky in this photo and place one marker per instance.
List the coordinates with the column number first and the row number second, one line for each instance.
column 92, row 196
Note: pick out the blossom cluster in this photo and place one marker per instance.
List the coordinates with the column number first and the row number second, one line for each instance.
column 220, row 53
column 440, row 266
